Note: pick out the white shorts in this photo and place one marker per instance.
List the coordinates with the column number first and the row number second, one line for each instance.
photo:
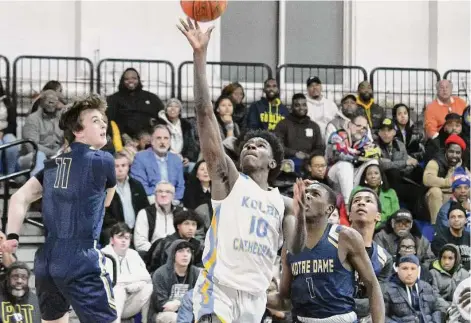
column 230, row 305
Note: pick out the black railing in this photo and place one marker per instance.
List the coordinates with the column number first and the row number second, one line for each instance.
column 156, row 76
column 337, row 80
column 461, row 80
column 6, row 178
column 31, row 73
column 415, row 87
column 5, row 74
column 219, row 74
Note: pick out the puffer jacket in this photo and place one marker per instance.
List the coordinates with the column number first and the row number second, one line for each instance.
column 398, row 308
column 446, row 281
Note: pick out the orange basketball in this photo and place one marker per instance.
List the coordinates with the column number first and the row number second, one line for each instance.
column 201, row 10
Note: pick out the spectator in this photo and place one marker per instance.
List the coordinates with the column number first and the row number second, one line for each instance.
column 343, row 154
column 132, row 108
column 185, row 222
column 198, row 197
column 317, row 171
column 439, row 173
column 444, row 104
column 460, row 310
column 157, row 164
column 454, row 235
column 348, row 109
column 407, row 132
column 236, row 92
column 373, row 177
column 408, row 299
column 129, row 199
column 365, row 101
column 55, row 86
column 183, row 140
column 460, row 189
column 407, row 245
column 436, row 146
column 171, row 282
column 19, row 303
column 402, row 225
column 319, row 108
column 448, row 272
column 155, row 221
column 7, row 134
column 465, row 133
column 300, row 135
column 223, row 110
column 267, row 112
column 6, row 259
column 42, row 127
column 134, row 286
column 11, row 113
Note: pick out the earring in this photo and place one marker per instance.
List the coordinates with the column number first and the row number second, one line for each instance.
column 381, row 182
column 366, row 182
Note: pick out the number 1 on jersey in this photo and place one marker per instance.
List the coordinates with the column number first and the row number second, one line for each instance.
column 310, row 286
column 62, row 172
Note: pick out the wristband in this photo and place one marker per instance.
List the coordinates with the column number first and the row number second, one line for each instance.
column 13, row 236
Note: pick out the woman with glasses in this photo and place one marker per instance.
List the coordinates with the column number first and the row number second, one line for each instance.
column 407, row 246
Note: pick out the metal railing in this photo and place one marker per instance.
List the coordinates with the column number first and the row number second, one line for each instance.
column 415, row 87
column 461, row 80
column 157, row 76
column 31, row 73
column 219, row 74
column 337, row 80
column 6, row 178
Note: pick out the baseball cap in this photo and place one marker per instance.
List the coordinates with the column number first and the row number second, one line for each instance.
column 349, row 96
column 387, row 123
column 452, row 117
column 313, row 79
column 402, row 214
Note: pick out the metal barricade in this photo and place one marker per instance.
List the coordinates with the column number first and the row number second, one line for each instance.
column 156, row 76
column 5, row 74
column 461, row 80
column 337, row 80
column 415, row 87
column 219, row 74
column 31, row 73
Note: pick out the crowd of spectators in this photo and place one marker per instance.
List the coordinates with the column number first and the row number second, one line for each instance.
column 155, row 226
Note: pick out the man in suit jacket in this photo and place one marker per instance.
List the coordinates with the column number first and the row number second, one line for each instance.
column 129, row 199
column 157, row 164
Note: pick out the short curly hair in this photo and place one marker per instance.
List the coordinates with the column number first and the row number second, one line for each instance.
column 275, row 144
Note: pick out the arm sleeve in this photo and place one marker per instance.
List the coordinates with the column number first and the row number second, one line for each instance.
column 138, row 172
column 180, row 185
column 431, row 178
column 430, row 124
column 160, row 294
column 253, row 120
column 141, row 232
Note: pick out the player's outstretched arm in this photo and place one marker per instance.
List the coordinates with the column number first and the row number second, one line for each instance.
column 20, row 201
column 352, row 241
column 221, row 169
column 294, row 222
column 280, row 300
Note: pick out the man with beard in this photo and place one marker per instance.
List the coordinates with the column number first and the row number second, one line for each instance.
column 319, row 281
column 268, row 111
column 132, row 108
column 365, row 211
column 439, row 173
column 18, row 303
column 319, row 108
column 365, row 102
column 300, row 135
column 436, row 146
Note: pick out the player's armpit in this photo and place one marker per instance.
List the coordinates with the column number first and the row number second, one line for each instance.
column 109, row 195
column 294, row 228
column 353, row 244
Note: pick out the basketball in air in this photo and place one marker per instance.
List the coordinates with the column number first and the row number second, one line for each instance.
column 203, row 11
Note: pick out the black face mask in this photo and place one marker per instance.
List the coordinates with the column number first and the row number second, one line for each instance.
column 365, row 96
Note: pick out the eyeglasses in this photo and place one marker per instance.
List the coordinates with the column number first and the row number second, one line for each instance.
column 360, row 126
column 410, row 248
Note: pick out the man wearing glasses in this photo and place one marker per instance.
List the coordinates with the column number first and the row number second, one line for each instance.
column 348, row 153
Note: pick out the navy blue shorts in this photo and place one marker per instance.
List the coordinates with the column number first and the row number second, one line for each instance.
column 72, row 272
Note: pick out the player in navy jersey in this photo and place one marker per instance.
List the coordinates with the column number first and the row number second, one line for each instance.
column 75, row 187
column 319, row 281
column 365, row 212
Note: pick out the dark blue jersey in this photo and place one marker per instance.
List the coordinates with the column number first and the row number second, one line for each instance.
column 378, row 256
column 321, row 286
column 74, row 190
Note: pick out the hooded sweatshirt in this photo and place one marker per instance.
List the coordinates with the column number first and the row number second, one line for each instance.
column 321, row 111
column 167, row 285
column 265, row 115
column 447, row 281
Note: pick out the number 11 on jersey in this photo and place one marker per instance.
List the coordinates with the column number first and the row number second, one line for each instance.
column 62, row 172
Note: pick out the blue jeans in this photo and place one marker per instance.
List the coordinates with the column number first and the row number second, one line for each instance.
column 11, row 154
column 26, row 160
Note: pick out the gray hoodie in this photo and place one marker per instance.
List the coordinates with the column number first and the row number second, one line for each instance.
column 166, row 283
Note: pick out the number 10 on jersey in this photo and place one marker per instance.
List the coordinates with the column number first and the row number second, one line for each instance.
column 258, row 226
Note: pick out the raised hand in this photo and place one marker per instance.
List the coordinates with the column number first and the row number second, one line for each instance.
column 196, row 37
column 299, row 197
column 9, row 246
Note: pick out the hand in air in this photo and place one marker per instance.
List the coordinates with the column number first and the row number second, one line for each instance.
column 198, row 39
column 9, row 246
column 299, row 197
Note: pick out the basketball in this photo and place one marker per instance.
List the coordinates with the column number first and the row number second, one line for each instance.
column 203, row 11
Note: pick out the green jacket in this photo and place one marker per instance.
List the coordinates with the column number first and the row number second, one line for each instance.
column 389, row 203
